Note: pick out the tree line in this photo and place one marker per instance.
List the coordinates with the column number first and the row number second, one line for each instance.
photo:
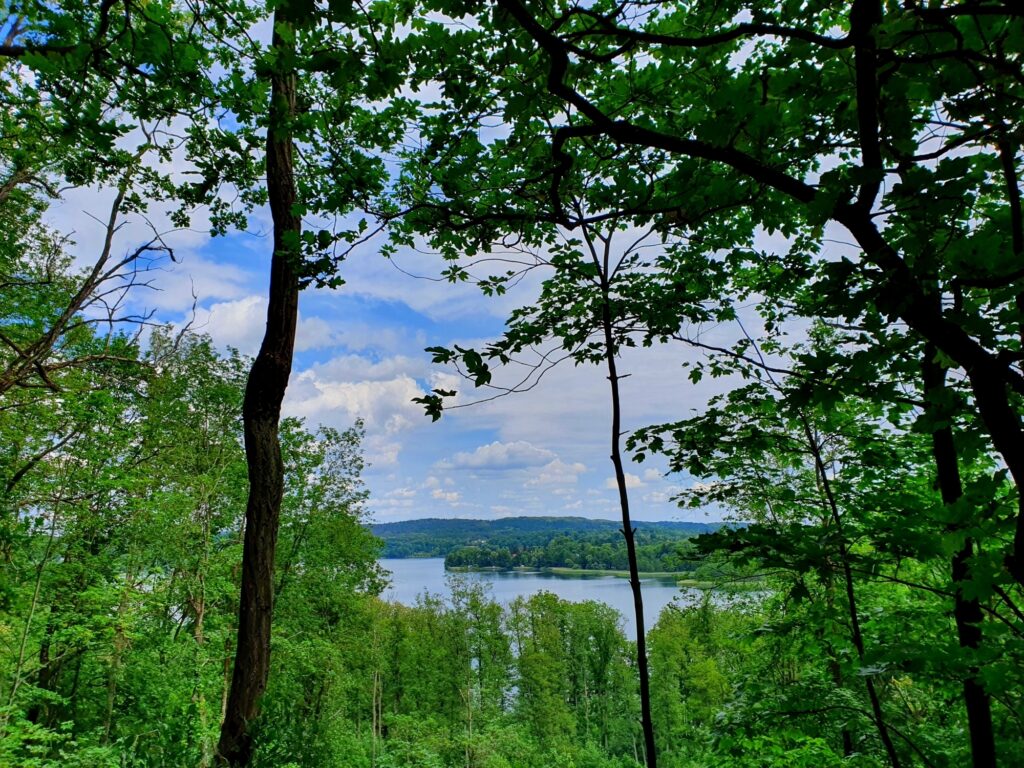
column 437, row 537
column 654, row 551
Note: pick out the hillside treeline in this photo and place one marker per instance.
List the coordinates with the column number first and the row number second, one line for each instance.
column 655, row 551
column 438, row 537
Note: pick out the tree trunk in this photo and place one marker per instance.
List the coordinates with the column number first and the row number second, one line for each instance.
column 856, row 635
column 835, row 669
column 650, row 754
column 261, row 412
column 966, row 612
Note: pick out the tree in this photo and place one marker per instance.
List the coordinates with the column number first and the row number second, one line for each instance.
column 596, row 301
column 901, row 74
column 839, row 487
column 88, row 90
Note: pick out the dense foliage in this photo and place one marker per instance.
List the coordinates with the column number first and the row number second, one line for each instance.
column 123, row 507
column 837, row 182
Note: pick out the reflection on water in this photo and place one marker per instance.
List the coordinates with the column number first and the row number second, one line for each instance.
column 412, row 577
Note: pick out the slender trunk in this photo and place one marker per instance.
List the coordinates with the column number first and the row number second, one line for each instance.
column 76, row 679
column 198, row 696
column 114, row 668
column 834, row 667
column 19, row 667
column 650, row 754
column 966, row 611
column 374, row 718
column 226, row 686
column 469, row 721
column 261, row 412
column 851, row 597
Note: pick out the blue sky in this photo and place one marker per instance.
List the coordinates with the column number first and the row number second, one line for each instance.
column 360, row 355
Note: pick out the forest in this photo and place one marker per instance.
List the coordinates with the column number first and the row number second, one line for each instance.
column 655, row 552
column 811, row 209
column 438, row 537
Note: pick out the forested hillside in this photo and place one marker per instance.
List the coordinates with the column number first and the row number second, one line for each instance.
column 761, row 258
column 654, row 552
column 439, row 537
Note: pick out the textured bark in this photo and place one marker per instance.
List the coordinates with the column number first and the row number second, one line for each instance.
column 966, row 612
column 261, row 412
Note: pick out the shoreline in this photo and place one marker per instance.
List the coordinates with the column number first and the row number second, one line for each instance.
column 743, row 585
column 565, row 571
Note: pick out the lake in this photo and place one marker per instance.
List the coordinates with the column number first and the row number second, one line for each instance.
column 413, row 576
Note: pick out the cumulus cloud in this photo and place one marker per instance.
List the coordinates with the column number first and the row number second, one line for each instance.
column 558, row 472
column 362, row 368
column 698, row 486
column 380, row 452
column 498, row 455
column 313, row 333
column 363, row 336
column 632, row 481
column 384, row 405
column 661, row 497
column 239, row 324
column 450, row 496
column 392, row 504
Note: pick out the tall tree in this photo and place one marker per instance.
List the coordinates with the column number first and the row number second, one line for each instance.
column 917, row 85
column 261, row 410
column 323, row 98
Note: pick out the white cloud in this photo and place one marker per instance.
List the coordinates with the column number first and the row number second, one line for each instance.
column 313, row 333
column 363, row 336
column 698, row 486
column 389, row 280
column 361, row 368
column 380, row 453
column 661, row 497
column 632, row 481
column 558, row 472
column 393, row 504
column 385, row 406
column 450, row 496
column 240, row 323
column 198, row 279
column 652, row 474
column 498, row 455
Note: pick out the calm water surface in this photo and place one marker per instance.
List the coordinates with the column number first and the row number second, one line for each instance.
column 412, row 577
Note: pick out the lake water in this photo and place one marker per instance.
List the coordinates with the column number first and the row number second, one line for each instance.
column 413, row 576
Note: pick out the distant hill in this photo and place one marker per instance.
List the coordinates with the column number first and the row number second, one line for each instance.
column 437, row 537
